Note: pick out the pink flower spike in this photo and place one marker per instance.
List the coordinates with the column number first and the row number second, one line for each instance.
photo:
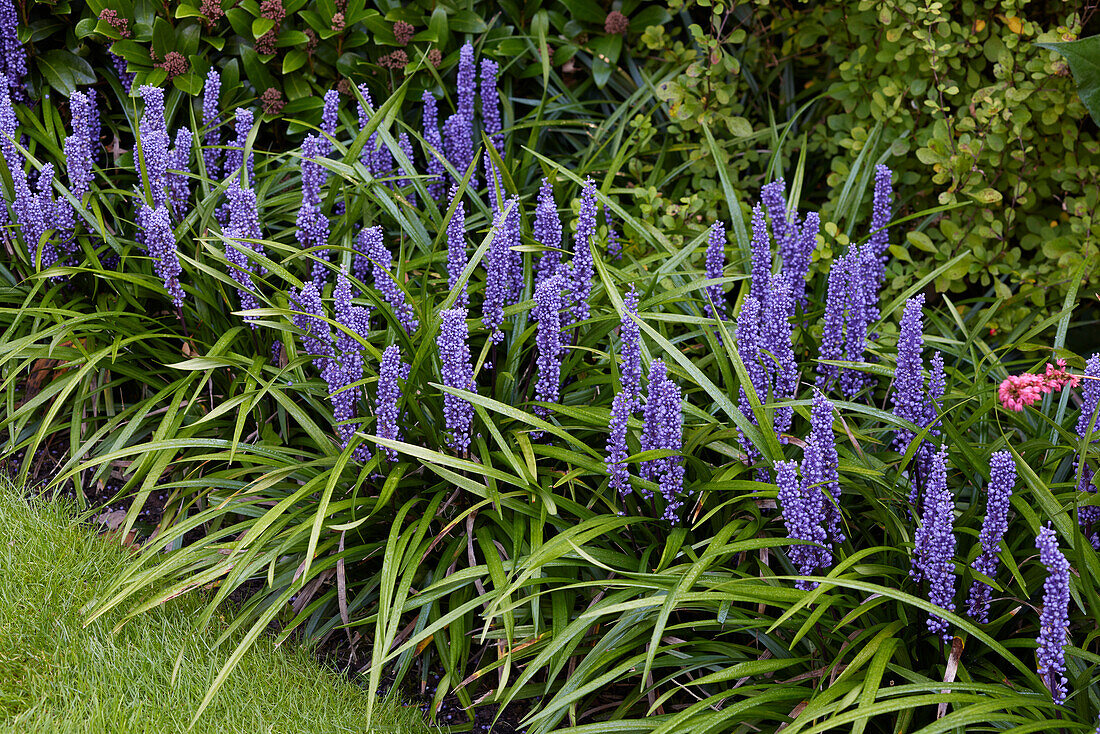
column 1018, row 391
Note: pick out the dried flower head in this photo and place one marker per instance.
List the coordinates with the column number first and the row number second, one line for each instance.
column 174, row 63
column 212, row 10
column 395, row 60
column 272, row 101
column 616, row 23
column 403, row 32
column 111, row 18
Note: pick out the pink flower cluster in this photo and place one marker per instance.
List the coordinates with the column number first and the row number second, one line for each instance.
column 1019, row 391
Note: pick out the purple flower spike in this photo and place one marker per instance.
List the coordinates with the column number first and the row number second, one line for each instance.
column 616, row 444
column 498, row 278
column 125, row 77
column 749, row 338
column 614, row 246
column 879, row 241
column 346, row 368
column 330, row 113
column 384, row 282
column 313, row 225
column 908, row 395
column 832, row 331
column 153, row 133
column 778, row 345
column 78, row 146
column 857, row 322
column 631, row 335
column 716, row 264
column 234, row 156
column 490, row 103
column 1054, row 618
column 774, row 197
column 761, row 255
column 825, row 474
column 548, row 308
column 179, row 166
column 458, row 373
column 161, row 243
column 582, row 268
column 405, row 143
column 13, row 59
column 934, row 544
column 797, row 260
column 664, row 429
column 211, row 110
column 1002, row 471
column 1089, row 515
column 437, row 173
column 244, row 224
column 456, row 248
column 467, row 82
column 389, row 392
column 801, row 516
column 548, row 233
column 316, row 335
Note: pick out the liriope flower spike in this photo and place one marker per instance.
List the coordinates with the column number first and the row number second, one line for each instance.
column 1002, row 477
column 234, row 155
column 13, row 57
column 716, row 265
column 370, row 243
column 244, row 224
column 547, row 231
column 548, row 341
column 391, row 370
column 1054, row 618
column 316, row 335
column 78, row 146
column 490, row 103
column 780, row 350
column 801, row 517
column 330, row 113
column 161, row 243
column 458, row 373
column 456, row 248
column 614, row 245
column 879, row 241
column 828, row 477
column 582, row 268
column 153, row 132
column 832, row 329
column 630, row 334
column 179, row 170
column 211, row 110
column 437, row 172
column 346, row 368
column 498, row 272
column 1087, row 427
column 934, row 544
column 616, row 444
column 761, row 255
column 908, row 396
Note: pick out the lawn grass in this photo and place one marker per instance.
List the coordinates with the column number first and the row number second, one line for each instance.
column 58, row 676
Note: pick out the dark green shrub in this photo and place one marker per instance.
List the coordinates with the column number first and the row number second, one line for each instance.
column 955, row 96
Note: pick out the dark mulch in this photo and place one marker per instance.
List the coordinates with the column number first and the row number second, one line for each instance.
column 419, row 688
